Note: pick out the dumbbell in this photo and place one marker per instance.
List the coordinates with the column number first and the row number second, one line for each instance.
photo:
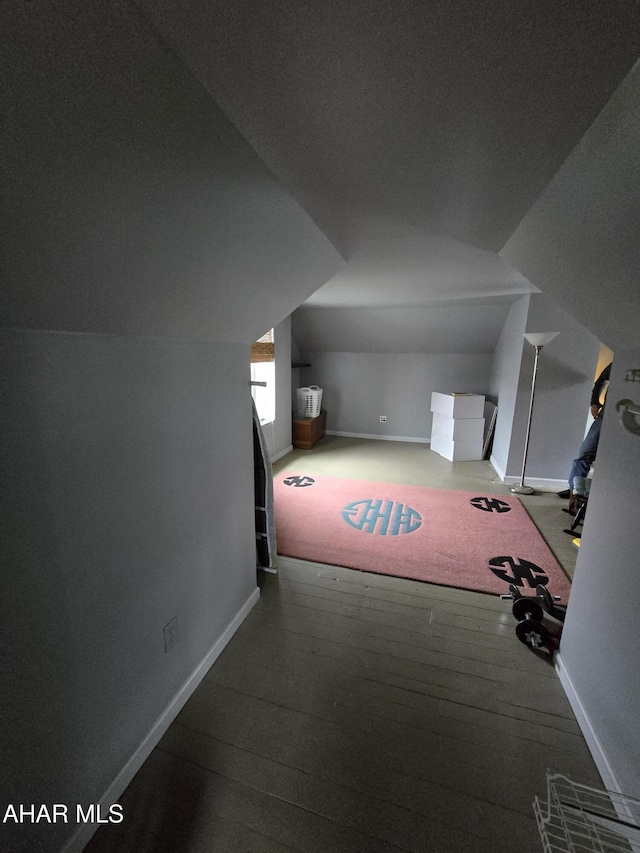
column 530, row 630
column 545, row 598
column 513, row 594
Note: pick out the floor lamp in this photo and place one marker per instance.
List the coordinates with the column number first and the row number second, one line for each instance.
column 539, row 340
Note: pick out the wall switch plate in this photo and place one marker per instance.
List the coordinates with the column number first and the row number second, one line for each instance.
column 383, row 419
column 171, row 634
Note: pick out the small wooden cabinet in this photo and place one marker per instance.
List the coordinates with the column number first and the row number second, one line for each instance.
column 307, row 432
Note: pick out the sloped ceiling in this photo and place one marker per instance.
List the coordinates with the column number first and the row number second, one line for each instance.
column 446, row 116
column 460, row 327
column 588, row 220
column 129, row 203
column 417, row 134
column 418, row 270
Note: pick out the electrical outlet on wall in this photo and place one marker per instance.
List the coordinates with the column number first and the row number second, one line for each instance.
column 383, row 419
column 171, row 634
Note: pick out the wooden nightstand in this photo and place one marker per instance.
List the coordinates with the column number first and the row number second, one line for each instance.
column 307, row 432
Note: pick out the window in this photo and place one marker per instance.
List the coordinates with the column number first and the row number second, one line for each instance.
column 263, row 369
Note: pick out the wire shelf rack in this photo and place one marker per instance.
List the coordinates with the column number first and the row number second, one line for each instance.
column 577, row 818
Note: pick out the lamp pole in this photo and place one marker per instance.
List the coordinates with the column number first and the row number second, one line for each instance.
column 520, row 488
column 538, row 339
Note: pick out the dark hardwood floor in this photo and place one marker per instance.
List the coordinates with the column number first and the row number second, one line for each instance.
column 358, row 712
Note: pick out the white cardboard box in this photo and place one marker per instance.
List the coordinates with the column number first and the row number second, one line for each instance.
column 456, row 451
column 458, row 405
column 457, row 429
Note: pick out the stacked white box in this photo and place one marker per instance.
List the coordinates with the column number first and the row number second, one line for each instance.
column 457, row 431
column 458, row 405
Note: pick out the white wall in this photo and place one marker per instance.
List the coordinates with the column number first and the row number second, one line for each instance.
column 282, row 433
column 578, row 242
column 466, row 327
column 563, row 391
column 143, row 246
column 359, row 387
column 295, row 375
column 600, row 646
column 503, row 385
column 127, row 490
column 129, row 194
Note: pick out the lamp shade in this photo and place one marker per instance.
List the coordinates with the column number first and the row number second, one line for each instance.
column 540, row 339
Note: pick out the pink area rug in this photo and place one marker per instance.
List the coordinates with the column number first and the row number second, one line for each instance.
column 463, row 539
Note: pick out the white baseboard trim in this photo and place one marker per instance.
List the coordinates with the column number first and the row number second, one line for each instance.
column 378, row 437
column 497, row 468
column 282, row 453
column 598, row 754
column 83, row 834
column 540, row 482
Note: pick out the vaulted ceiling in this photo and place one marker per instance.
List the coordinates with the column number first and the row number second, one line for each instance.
column 416, row 133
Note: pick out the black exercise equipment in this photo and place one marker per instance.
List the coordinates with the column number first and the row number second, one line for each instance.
column 545, row 598
column 533, row 633
column 578, row 518
column 530, row 630
column 527, row 607
column 513, row 593
column 578, row 504
column 542, row 595
column 529, row 611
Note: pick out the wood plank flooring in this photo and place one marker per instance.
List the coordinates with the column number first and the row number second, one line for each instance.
column 358, row 712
